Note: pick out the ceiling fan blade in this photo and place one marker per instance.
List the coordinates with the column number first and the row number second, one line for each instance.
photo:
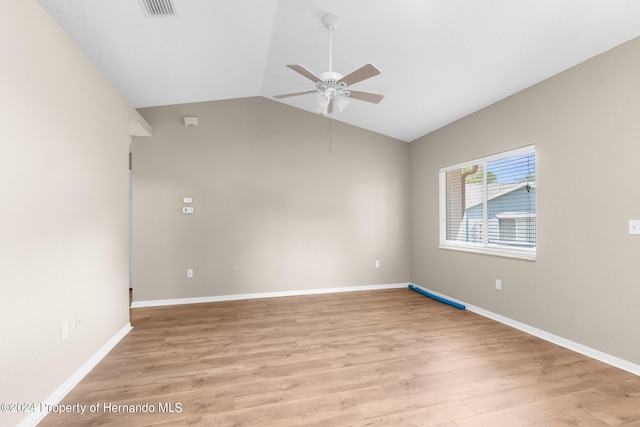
column 366, row 96
column 362, row 73
column 287, row 95
column 305, row 72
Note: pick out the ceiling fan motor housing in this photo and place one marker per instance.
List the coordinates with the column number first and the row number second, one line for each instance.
column 331, row 77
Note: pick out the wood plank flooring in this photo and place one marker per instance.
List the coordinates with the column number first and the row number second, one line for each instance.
column 378, row 358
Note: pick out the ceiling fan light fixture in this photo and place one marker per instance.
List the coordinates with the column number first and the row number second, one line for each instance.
column 341, row 103
column 323, row 110
column 323, row 99
column 323, row 103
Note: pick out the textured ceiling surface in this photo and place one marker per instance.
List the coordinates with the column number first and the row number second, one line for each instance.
column 440, row 59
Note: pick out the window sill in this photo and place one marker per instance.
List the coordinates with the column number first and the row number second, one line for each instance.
column 526, row 255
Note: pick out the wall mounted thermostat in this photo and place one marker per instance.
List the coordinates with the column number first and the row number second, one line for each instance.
column 187, row 210
column 187, row 200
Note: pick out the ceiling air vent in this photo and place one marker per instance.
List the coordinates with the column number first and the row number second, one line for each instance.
column 158, row 7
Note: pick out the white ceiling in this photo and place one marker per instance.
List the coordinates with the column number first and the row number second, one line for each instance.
column 440, row 59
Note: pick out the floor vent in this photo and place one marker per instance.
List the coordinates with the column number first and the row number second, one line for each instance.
column 158, row 7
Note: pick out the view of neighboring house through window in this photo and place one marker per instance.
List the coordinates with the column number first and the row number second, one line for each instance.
column 489, row 205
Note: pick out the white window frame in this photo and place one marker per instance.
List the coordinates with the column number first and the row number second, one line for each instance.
column 484, row 247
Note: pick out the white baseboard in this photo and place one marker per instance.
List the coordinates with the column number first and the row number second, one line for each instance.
column 555, row 339
column 59, row 393
column 199, row 300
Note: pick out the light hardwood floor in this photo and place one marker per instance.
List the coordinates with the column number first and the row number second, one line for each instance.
column 378, row 358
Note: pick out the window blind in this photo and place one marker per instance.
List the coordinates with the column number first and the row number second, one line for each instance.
column 489, row 204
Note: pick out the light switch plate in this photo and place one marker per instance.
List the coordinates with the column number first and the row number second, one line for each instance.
column 634, row 226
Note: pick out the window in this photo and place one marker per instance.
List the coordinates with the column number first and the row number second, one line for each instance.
column 488, row 205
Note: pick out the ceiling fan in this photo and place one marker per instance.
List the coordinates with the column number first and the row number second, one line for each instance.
column 332, row 87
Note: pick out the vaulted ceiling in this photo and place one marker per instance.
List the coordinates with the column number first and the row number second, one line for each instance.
column 440, row 59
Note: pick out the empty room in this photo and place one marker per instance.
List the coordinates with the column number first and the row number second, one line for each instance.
column 320, row 213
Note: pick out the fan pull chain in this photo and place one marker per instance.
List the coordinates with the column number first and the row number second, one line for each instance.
column 330, row 133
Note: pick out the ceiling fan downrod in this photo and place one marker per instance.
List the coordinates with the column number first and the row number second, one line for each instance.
column 330, row 88
column 331, row 22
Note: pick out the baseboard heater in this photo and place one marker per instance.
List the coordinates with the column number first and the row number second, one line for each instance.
column 437, row 298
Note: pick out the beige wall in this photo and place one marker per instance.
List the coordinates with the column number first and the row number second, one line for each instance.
column 271, row 202
column 63, row 206
column 585, row 283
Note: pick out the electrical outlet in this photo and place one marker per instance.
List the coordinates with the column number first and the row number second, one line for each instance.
column 64, row 330
column 189, row 272
column 232, row 271
column 499, row 284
